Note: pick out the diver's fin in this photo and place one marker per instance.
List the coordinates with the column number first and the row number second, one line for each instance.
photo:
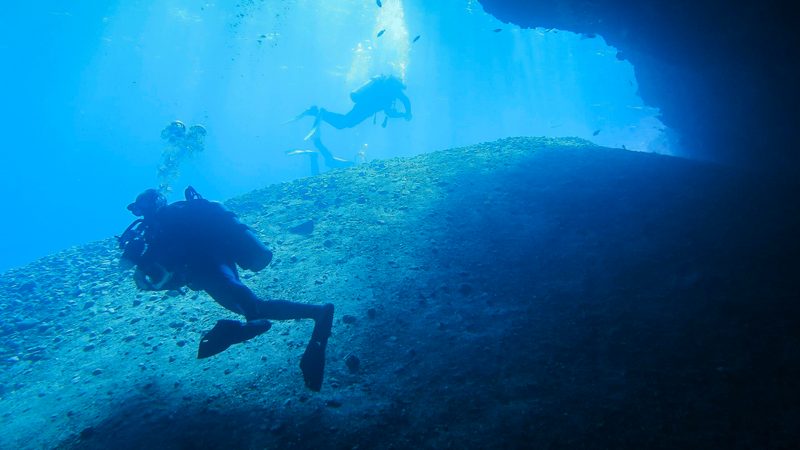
column 312, row 111
column 313, row 361
column 293, row 119
column 312, row 133
column 313, row 365
column 228, row 332
column 299, row 152
column 338, row 163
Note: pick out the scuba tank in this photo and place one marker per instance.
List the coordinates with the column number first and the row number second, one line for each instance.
column 247, row 250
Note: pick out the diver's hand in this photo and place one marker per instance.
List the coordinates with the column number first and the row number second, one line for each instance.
column 148, row 282
column 140, row 278
column 165, row 279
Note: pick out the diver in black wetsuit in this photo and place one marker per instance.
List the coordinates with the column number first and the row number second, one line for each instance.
column 198, row 243
column 380, row 93
column 331, row 162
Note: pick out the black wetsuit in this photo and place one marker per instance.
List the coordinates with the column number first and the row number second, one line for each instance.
column 379, row 94
column 199, row 243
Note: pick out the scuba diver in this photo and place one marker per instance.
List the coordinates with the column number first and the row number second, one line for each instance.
column 198, row 243
column 181, row 143
column 380, row 93
column 331, row 162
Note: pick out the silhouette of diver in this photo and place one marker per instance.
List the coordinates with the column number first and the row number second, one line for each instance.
column 380, row 93
column 181, row 144
column 198, row 243
column 331, row 162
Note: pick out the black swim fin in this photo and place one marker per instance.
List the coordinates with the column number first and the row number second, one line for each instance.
column 313, row 361
column 228, row 332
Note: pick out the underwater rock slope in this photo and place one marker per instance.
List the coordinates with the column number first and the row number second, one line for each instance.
column 519, row 293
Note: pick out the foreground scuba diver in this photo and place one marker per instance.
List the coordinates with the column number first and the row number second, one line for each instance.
column 198, row 243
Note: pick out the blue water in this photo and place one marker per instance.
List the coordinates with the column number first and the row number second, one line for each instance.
column 88, row 87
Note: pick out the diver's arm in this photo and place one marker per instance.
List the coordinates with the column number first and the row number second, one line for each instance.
column 406, row 104
column 393, row 113
column 146, row 281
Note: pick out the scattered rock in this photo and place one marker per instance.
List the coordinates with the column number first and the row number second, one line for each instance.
column 349, row 319
column 352, row 362
column 26, row 324
column 87, row 433
column 27, row 288
column 371, row 313
column 181, row 343
column 89, row 348
column 305, row 228
column 333, row 403
column 97, row 372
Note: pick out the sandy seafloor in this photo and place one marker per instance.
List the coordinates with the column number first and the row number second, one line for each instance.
column 523, row 293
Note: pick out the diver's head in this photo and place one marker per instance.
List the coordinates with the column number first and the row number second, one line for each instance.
column 175, row 130
column 147, row 203
column 196, row 131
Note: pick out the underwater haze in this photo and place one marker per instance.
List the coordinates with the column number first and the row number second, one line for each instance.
column 88, row 88
column 411, row 226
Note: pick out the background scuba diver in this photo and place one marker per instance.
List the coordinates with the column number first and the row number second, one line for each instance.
column 331, row 162
column 181, row 143
column 198, row 243
column 380, row 93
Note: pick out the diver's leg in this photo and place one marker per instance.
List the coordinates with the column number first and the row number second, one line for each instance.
column 224, row 286
column 323, row 150
column 331, row 161
column 355, row 116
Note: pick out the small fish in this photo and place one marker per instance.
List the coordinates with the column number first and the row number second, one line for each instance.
column 497, row 30
column 380, row 33
column 596, row 132
column 416, row 38
column 623, row 147
column 379, row 3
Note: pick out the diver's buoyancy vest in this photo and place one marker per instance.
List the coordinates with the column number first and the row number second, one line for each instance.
column 193, row 231
column 379, row 90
